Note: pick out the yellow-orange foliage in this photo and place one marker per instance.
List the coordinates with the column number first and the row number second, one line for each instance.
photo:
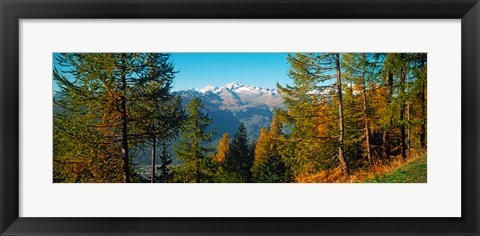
column 261, row 147
column 222, row 148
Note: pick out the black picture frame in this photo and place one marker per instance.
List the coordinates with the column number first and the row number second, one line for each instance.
column 12, row 11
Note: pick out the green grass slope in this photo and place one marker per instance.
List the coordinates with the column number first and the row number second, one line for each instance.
column 412, row 172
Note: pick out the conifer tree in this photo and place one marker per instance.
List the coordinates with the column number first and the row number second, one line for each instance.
column 307, row 114
column 239, row 160
column 388, row 116
column 268, row 166
column 165, row 160
column 105, row 95
column 341, row 157
column 419, row 90
column 362, row 69
column 222, row 149
column 218, row 160
column 261, row 148
column 159, row 113
column 310, row 106
column 398, row 65
column 192, row 148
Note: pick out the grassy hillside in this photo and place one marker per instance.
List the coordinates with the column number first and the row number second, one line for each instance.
column 412, row 172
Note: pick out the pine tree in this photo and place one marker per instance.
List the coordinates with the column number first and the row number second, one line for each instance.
column 239, row 159
column 159, row 113
column 165, row 160
column 192, row 147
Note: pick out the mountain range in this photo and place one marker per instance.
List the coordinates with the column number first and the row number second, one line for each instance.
column 233, row 103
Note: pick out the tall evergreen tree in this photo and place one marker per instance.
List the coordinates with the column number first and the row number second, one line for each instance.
column 239, row 159
column 159, row 113
column 165, row 160
column 192, row 148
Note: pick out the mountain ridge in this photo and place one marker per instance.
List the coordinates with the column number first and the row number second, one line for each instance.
column 233, row 103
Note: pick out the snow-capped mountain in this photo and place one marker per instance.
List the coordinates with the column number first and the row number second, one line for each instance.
column 234, row 96
column 234, row 103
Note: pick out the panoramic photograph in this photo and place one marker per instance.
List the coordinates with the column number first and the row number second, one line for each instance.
column 239, row 117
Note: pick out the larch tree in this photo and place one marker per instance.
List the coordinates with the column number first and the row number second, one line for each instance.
column 159, row 113
column 86, row 119
column 362, row 68
column 387, row 118
column 269, row 166
column 100, row 92
column 317, row 124
column 336, row 58
column 309, row 115
column 222, row 149
column 261, row 152
column 419, row 90
column 218, row 159
column 398, row 65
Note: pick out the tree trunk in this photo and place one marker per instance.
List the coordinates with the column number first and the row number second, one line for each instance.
column 197, row 167
column 402, row 116
column 154, row 154
column 196, row 145
column 385, row 145
column 126, row 161
column 367, row 131
column 386, row 131
column 423, row 128
column 408, row 129
column 408, row 125
column 340, row 117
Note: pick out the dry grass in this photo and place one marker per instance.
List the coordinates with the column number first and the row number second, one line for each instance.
column 358, row 175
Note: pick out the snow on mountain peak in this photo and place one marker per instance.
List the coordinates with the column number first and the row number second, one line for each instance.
column 233, row 85
column 237, row 96
column 208, row 88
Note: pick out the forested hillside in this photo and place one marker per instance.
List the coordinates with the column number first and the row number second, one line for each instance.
column 344, row 116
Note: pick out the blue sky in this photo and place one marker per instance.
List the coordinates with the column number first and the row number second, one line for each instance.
column 196, row 70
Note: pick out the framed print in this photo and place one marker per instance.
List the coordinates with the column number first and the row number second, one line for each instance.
column 239, row 117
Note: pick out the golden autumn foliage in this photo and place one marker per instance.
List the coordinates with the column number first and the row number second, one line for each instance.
column 261, row 146
column 344, row 117
column 222, row 149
